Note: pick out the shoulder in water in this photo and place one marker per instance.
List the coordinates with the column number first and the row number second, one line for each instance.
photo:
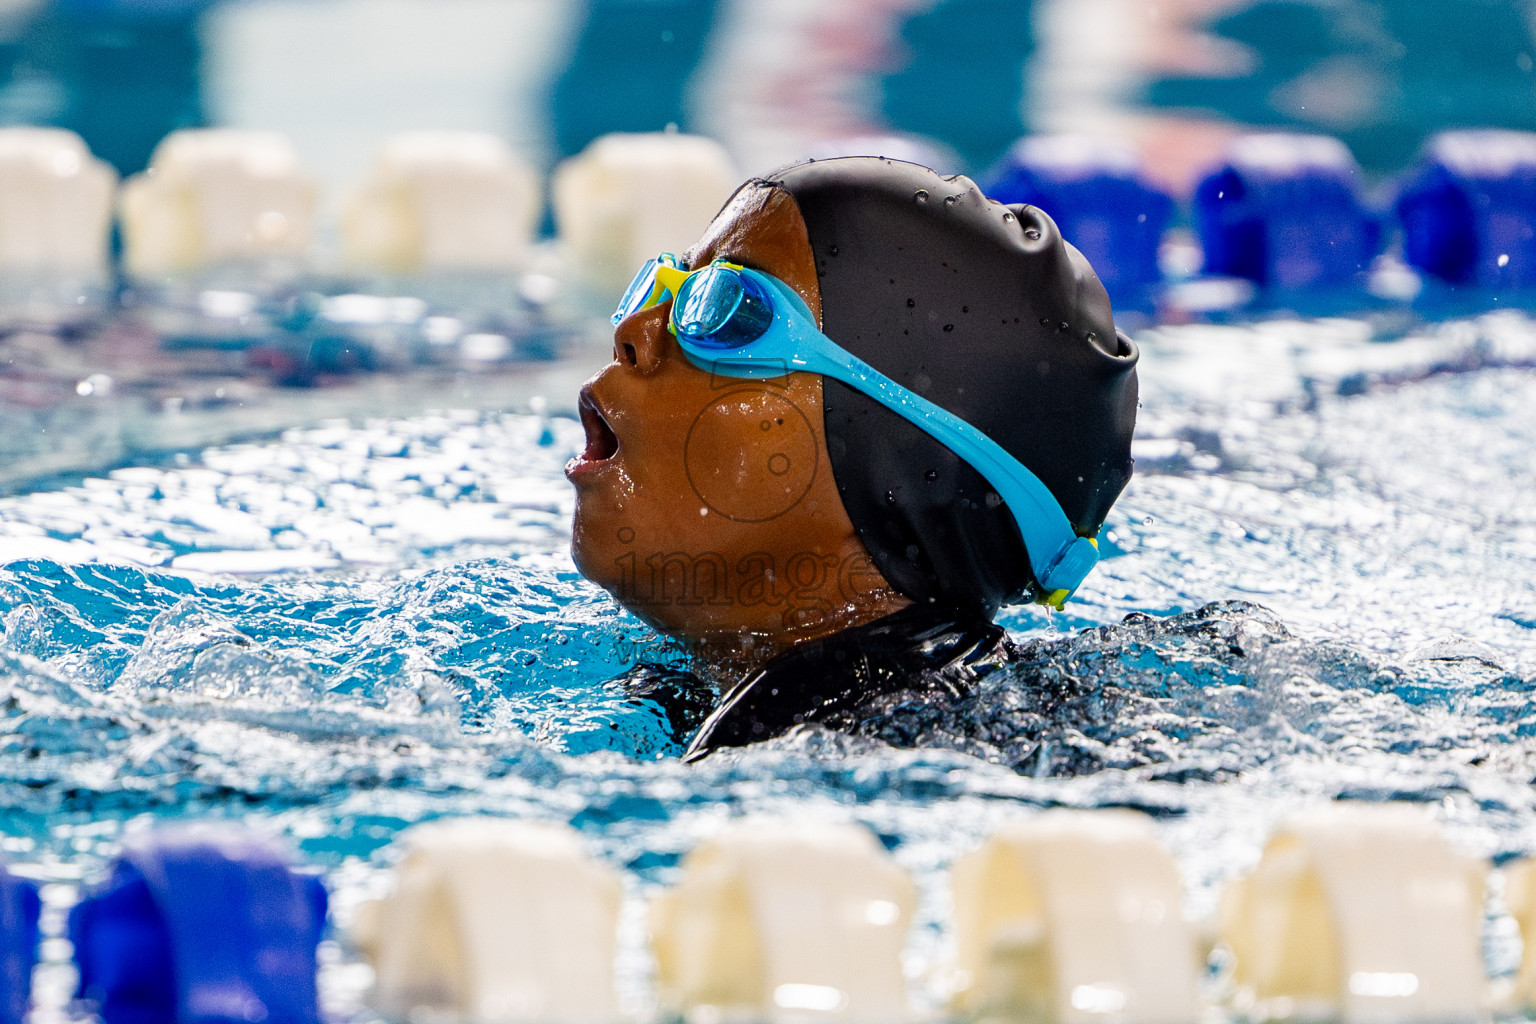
column 868, row 408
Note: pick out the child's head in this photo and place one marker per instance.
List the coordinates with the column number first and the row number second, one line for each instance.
column 794, row 506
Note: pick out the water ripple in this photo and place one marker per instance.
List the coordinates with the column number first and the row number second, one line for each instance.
column 1308, row 593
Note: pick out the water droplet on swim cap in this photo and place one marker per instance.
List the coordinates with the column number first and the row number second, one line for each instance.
column 1033, row 234
column 1075, row 422
column 951, row 200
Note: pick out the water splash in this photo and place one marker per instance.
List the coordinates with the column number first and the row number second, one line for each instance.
column 1329, row 596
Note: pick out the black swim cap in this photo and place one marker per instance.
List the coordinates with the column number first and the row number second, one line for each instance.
column 984, row 310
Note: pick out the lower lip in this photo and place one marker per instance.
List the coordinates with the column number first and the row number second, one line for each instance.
column 582, row 468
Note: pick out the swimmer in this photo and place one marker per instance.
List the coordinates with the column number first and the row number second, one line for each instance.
column 867, row 409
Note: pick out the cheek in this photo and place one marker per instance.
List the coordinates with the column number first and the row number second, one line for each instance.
column 751, row 455
column 726, row 471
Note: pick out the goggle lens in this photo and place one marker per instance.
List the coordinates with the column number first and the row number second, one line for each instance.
column 721, row 309
column 642, row 290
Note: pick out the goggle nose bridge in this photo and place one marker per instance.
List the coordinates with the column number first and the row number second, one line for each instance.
column 665, row 280
column 668, row 281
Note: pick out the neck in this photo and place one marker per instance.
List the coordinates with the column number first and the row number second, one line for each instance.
column 725, row 659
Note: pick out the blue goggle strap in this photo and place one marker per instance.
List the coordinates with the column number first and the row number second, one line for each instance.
column 1059, row 558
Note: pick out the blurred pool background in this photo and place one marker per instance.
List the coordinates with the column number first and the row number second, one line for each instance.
column 769, row 79
column 1158, row 96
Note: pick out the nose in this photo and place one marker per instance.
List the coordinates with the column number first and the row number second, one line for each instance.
column 642, row 340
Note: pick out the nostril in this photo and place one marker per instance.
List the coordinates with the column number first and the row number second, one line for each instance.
column 627, row 353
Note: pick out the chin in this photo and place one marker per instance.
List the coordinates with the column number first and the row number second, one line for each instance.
column 600, row 555
column 593, row 547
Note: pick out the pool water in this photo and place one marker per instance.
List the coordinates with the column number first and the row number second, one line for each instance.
column 1320, row 584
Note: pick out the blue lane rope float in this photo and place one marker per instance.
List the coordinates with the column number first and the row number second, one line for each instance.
column 1468, row 209
column 20, row 908
column 1284, row 211
column 201, row 928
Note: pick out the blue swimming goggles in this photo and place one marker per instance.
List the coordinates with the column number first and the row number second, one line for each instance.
column 743, row 323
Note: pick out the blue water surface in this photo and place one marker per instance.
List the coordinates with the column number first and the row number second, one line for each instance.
column 1320, row 584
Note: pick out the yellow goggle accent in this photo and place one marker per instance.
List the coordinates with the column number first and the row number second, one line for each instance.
column 657, row 281
column 1058, row 598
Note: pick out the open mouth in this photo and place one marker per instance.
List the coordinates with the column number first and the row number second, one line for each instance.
column 602, row 442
